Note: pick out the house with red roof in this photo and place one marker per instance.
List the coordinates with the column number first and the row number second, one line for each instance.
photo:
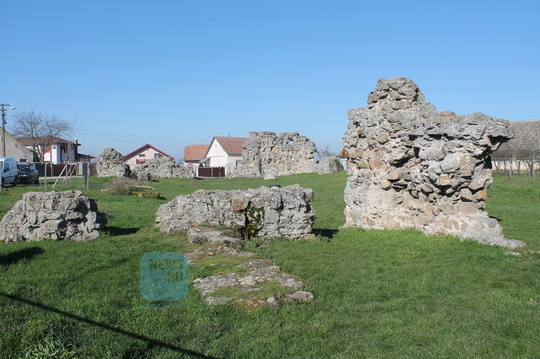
column 193, row 154
column 224, row 152
column 143, row 154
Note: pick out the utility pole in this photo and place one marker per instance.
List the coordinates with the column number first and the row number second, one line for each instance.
column 4, row 110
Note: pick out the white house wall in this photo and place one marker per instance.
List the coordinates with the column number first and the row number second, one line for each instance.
column 218, row 156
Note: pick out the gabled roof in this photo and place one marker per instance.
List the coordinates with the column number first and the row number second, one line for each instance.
column 232, row 145
column 142, row 148
column 195, row 152
column 31, row 141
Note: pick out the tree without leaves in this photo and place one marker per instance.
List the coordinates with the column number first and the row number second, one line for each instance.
column 327, row 152
column 42, row 130
column 525, row 146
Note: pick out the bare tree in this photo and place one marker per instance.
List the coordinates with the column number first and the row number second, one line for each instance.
column 524, row 147
column 39, row 130
column 327, row 152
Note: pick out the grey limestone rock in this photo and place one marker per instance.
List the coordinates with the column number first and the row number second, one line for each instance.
column 268, row 155
column 163, row 167
column 110, row 163
column 329, row 164
column 266, row 212
column 414, row 167
column 54, row 215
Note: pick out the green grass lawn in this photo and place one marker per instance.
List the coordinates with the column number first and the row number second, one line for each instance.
column 379, row 294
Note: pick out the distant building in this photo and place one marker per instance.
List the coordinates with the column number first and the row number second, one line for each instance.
column 193, row 154
column 53, row 149
column 15, row 149
column 224, row 152
column 143, row 154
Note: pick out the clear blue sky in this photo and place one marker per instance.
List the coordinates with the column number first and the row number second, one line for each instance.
column 173, row 73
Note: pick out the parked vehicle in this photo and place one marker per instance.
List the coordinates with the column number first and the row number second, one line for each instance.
column 8, row 168
column 27, row 173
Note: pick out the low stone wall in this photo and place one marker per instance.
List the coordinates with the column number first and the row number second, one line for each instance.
column 269, row 155
column 264, row 212
column 164, row 167
column 54, row 215
column 414, row 167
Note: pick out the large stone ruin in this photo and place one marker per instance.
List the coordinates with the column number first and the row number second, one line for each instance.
column 269, row 155
column 414, row 167
column 163, row 167
column 53, row 215
column 110, row 163
column 266, row 212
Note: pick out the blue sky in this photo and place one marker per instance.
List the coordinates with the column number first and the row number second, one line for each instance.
column 173, row 73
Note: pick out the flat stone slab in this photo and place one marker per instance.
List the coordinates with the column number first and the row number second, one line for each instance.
column 248, row 282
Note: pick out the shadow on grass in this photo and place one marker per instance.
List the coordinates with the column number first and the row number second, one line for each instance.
column 117, row 231
column 14, row 257
column 328, row 233
column 150, row 343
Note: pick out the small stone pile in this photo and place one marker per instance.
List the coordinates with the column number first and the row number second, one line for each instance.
column 414, row 167
column 266, row 212
column 163, row 167
column 54, row 215
column 110, row 163
column 269, row 155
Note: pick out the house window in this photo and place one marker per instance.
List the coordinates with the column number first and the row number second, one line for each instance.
column 157, row 155
column 142, row 155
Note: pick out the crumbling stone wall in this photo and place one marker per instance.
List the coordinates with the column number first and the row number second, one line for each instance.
column 53, row 215
column 266, row 212
column 269, row 155
column 414, row 167
column 163, row 167
column 110, row 163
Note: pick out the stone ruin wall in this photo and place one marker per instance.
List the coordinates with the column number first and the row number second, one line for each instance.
column 414, row 167
column 54, row 215
column 163, row 167
column 265, row 212
column 269, row 155
column 110, row 163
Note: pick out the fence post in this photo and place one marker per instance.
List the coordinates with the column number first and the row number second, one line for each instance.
column 87, row 175
column 45, row 166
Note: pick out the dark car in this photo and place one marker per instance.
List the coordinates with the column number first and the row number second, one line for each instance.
column 27, row 173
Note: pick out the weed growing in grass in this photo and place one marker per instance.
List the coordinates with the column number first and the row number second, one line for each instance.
column 122, row 186
column 50, row 348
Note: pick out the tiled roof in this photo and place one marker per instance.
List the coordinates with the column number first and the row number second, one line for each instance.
column 195, row 152
column 30, row 141
column 142, row 148
column 232, row 145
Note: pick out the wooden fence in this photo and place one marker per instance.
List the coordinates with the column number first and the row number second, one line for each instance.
column 211, row 172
